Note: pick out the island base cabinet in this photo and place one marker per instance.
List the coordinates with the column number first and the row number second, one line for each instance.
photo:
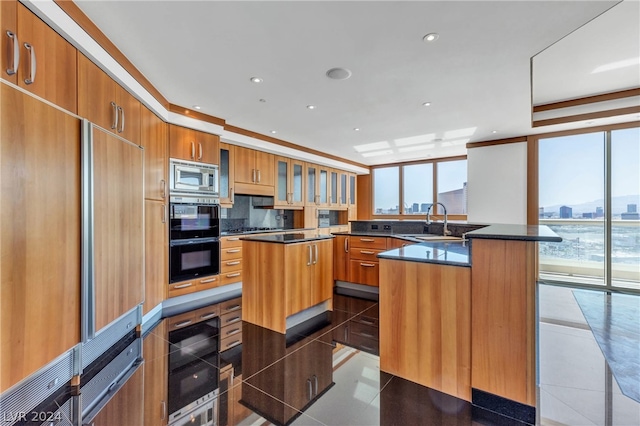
column 425, row 324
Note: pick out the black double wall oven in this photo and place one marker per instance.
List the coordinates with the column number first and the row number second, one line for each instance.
column 194, row 232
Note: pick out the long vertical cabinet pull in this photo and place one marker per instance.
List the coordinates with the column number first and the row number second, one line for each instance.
column 32, row 64
column 309, row 251
column 346, row 245
column 164, row 189
column 193, row 150
column 16, row 54
column 114, row 125
column 259, row 176
column 310, row 389
column 164, row 213
column 120, row 112
column 315, row 248
column 88, row 301
column 200, row 150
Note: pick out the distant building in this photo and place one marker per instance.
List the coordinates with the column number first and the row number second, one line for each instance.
column 541, row 212
column 588, row 215
column 599, row 212
column 455, row 201
column 424, row 207
column 566, row 212
column 414, row 208
column 630, row 216
column 632, row 208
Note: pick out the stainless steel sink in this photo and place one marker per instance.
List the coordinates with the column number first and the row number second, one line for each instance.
column 432, row 237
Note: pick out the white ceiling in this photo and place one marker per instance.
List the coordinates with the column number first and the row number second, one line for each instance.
column 476, row 75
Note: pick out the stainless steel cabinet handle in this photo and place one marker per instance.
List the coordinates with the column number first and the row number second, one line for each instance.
column 232, row 308
column 346, row 245
column 310, row 389
column 367, row 240
column 253, row 175
column 121, row 112
column 207, row 316
column 183, row 285
column 164, row 410
column 193, row 150
column 210, row 280
column 182, row 324
column 315, row 246
column 32, row 64
column 114, row 125
column 233, row 251
column 364, row 321
column 232, row 195
column 368, row 265
column 367, row 252
column 232, row 320
column 234, row 343
column 315, row 380
column 259, row 176
column 232, row 332
column 164, row 213
column 237, row 274
column 200, row 151
column 235, row 262
column 164, row 189
column 233, row 239
column 309, row 252
column 16, row 54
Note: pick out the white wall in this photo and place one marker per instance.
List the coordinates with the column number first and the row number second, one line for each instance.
column 497, row 184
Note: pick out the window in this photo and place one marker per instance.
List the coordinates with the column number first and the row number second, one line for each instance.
column 589, row 193
column 409, row 189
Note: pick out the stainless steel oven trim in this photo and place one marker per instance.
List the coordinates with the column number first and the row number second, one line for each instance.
column 87, row 294
column 196, row 407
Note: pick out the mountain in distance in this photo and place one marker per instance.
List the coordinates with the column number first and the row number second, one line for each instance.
column 618, row 205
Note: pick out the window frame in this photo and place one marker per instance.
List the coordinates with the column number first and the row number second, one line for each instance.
column 402, row 214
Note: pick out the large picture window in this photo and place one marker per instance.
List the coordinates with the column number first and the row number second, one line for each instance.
column 410, row 189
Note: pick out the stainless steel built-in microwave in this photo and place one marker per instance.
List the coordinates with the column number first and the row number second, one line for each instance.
column 188, row 177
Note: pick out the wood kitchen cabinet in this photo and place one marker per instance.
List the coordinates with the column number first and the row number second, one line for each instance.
column 289, row 183
column 40, row 264
column 47, row 62
column 155, row 140
column 425, row 324
column 230, row 259
column 154, row 352
column 105, row 103
column 283, row 279
column 254, row 172
column 118, row 226
column 126, row 406
column 227, row 175
column 363, row 260
column 341, row 258
column 192, row 145
column 282, row 379
column 156, row 244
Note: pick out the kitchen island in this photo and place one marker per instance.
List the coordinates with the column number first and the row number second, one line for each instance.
column 284, row 276
column 466, row 325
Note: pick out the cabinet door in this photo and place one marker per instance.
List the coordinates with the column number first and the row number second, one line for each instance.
column 297, row 277
column 129, row 118
column 208, row 147
column 282, row 182
column 182, row 143
column 227, row 175
column 322, row 278
column 9, row 46
column 323, row 187
column 341, row 258
column 127, row 406
column 265, row 164
column 352, row 190
column 311, row 173
column 343, row 191
column 333, row 187
column 96, row 95
column 156, row 253
column 118, row 227
column 296, row 183
column 154, row 139
column 40, row 264
column 154, row 350
column 245, row 165
column 363, row 272
column 55, row 62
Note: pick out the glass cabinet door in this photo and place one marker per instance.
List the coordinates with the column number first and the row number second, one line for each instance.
column 352, row 190
column 343, row 189
column 334, row 187
column 324, row 179
column 283, row 170
column 296, row 183
column 312, row 173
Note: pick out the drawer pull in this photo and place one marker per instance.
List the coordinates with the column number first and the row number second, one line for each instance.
column 183, row 286
column 232, row 308
column 233, row 251
column 237, row 274
column 232, row 344
column 234, row 331
column 367, row 322
column 367, row 240
column 367, row 252
column 207, row 316
column 233, row 239
column 235, row 262
column 232, row 320
column 182, row 324
column 210, row 280
column 366, row 335
column 368, row 265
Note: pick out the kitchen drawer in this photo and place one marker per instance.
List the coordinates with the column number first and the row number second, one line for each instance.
column 182, row 287
column 364, row 330
column 181, row 321
column 208, row 282
column 230, row 305
column 230, row 342
column 227, row 242
column 363, row 272
column 368, row 242
column 370, row 255
column 206, row 313
column 364, row 343
column 234, row 317
column 230, row 265
column 230, row 253
column 230, row 277
column 234, row 329
column 366, row 320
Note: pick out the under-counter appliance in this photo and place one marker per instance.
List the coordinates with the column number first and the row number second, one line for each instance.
column 324, row 219
column 194, row 231
column 190, row 177
column 193, row 373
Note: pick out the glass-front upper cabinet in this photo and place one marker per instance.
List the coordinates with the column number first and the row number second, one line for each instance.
column 312, row 185
column 352, row 190
column 343, row 189
column 226, row 175
column 323, row 190
column 289, row 183
column 334, row 188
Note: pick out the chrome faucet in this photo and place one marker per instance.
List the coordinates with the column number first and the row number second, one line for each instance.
column 445, row 230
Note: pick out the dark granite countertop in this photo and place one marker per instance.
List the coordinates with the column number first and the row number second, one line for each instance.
column 454, row 253
column 266, row 231
column 516, row 232
column 286, row 238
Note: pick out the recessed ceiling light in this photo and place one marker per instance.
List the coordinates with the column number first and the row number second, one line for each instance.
column 431, row 37
column 494, row 132
column 426, row 104
column 256, row 80
column 357, row 129
column 273, row 132
column 196, row 107
column 311, row 107
column 339, row 73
